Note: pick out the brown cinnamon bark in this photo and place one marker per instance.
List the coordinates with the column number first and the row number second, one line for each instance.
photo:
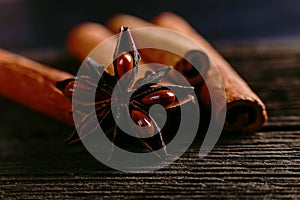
column 94, row 40
column 33, row 84
column 171, row 57
column 84, row 37
column 245, row 110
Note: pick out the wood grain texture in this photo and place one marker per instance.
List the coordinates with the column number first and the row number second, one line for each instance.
column 35, row 163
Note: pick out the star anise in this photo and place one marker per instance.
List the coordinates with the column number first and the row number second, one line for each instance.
column 131, row 96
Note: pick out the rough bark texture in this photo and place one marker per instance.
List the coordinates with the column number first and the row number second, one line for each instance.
column 33, row 84
column 245, row 110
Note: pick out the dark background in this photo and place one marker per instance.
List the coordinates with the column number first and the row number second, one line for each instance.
column 44, row 24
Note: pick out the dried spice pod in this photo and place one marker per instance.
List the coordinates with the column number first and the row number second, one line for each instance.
column 245, row 110
column 125, row 84
column 166, row 95
column 143, row 120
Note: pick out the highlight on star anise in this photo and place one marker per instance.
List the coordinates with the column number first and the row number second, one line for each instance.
column 133, row 95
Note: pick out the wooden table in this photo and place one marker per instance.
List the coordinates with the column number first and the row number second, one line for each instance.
column 35, row 163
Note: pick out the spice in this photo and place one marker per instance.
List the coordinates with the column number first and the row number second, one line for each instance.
column 84, row 36
column 32, row 84
column 245, row 110
column 142, row 94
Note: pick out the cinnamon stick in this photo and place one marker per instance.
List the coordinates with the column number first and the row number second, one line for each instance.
column 84, row 37
column 94, row 40
column 177, row 53
column 245, row 111
column 32, row 84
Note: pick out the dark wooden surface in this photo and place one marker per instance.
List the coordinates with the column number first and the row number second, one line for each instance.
column 35, row 163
